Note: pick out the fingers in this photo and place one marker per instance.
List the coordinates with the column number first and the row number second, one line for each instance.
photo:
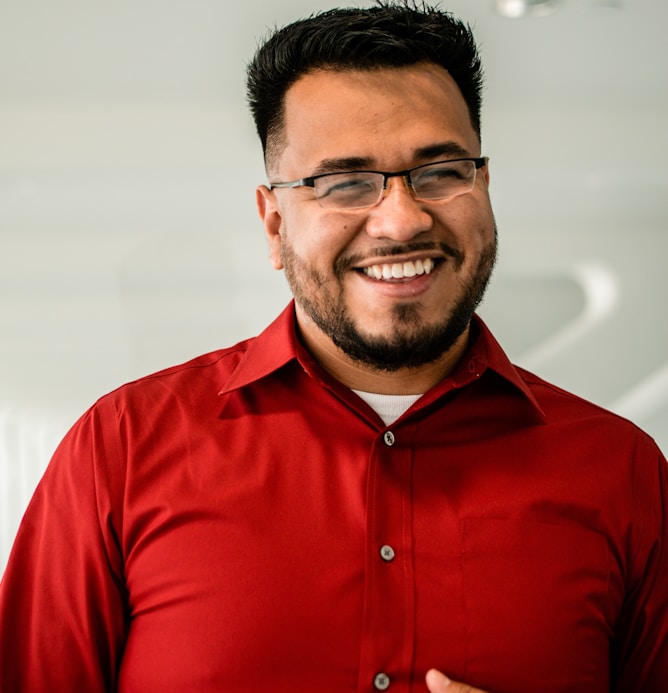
column 439, row 683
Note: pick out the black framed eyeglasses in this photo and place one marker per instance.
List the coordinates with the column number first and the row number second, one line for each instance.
column 438, row 181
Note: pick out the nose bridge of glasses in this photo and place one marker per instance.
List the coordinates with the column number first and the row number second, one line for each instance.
column 406, row 181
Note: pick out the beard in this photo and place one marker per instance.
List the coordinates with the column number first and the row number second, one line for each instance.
column 412, row 343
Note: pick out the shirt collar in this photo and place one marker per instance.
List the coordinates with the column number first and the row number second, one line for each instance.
column 278, row 345
column 485, row 353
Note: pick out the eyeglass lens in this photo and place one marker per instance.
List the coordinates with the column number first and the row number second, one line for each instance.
column 356, row 189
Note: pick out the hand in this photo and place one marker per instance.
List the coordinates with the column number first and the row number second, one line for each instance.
column 439, row 683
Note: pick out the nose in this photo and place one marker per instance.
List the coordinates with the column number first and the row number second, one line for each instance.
column 398, row 216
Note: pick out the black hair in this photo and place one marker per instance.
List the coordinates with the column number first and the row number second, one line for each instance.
column 397, row 33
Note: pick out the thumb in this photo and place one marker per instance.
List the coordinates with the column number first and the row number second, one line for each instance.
column 440, row 683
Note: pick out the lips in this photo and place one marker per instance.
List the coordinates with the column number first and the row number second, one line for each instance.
column 399, row 270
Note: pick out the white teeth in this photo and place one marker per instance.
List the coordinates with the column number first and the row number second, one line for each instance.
column 400, row 270
column 409, row 269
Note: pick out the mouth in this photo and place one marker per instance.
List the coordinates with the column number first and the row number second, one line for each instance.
column 393, row 271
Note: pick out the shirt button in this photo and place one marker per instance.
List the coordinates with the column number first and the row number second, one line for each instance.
column 381, row 682
column 387, row 553
column 388, row 438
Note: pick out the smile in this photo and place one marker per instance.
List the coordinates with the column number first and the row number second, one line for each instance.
column 399, row 270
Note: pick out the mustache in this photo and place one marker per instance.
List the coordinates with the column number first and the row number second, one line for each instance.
column 346, row 262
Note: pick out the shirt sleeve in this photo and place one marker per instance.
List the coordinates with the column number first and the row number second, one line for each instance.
column 63, row 613
column 640, row 647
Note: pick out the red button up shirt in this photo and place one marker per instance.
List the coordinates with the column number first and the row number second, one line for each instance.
column 244, row 523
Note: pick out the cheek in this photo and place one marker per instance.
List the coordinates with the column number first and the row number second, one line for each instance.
column 472, row 222
column 318, row 237
column 324, row 239
column 301, row 245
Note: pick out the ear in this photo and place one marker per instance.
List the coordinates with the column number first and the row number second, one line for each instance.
column 486, row 173
column 270, row 213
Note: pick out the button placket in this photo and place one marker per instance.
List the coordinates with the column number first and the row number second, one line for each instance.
column 389, row 610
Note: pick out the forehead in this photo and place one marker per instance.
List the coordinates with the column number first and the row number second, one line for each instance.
column 383, row 116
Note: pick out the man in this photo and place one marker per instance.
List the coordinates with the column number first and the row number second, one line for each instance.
column 368, row 493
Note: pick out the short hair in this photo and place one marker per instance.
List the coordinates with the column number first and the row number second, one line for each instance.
column 397, row 33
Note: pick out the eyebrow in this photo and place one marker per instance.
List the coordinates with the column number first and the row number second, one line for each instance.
column 431, row 152
column 442, row 149
column 342, row 165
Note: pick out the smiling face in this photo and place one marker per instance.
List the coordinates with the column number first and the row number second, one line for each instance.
column 391, row 287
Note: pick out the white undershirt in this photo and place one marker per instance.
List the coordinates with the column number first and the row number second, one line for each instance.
column 388, row 407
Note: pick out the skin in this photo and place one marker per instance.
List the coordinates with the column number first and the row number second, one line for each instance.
column 388, row 120
column 439, row 683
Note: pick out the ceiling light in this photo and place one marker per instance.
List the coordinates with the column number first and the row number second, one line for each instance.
column 516, row 9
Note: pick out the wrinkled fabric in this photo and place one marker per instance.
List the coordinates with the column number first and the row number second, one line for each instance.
column 243, row 522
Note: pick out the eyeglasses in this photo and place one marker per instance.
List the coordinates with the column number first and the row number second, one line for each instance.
column 439, row 181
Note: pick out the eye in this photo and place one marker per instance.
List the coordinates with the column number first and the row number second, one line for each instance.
column 440, row 173
column 344, row 186
column 441, row 179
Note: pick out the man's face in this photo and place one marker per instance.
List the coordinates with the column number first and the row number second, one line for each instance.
column 440, row 253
